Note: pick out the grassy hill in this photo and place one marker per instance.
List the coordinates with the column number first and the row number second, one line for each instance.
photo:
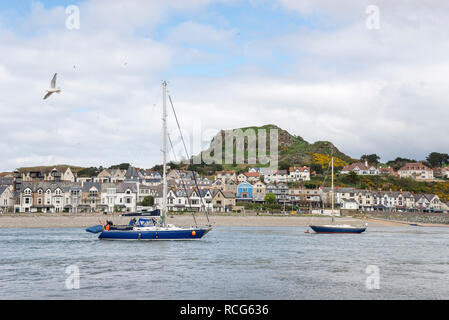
column 293, row 150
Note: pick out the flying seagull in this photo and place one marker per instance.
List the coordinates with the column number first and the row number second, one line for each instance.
column 53, row 88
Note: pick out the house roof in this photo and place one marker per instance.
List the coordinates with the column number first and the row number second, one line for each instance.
column 45, row 185
column 359, row 165
column 225, row 172
column 123, row 186
column 225, row 194
column 300, row 169
column 2, row 189
column 131, row 173
column 6, row 181
column 415, row 166
column 252, row 174
column 386, row 170
column 88, row 185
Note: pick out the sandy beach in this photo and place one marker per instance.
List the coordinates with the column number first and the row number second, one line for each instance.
column 86, row 220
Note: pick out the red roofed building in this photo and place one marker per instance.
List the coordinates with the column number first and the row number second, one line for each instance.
column 388, row 170
column 252, row 176
column 417, row 171
column 445, row 172
column 360, row 168
column 299, row 174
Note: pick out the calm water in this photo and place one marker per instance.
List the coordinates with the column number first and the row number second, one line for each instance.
column 229, row 263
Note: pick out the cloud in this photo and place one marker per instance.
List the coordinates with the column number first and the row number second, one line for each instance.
column 195, row 34
column 368, row 91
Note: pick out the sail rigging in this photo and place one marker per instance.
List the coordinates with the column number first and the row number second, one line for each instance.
column 188, row 158
column 148, row 229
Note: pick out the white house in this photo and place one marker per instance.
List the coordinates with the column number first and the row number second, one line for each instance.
column 127, row 196
column 6, row 199
column 299, row 174
column 68, row 175
column 349, row 204
column 361, row 169
column 278, row 176
column 417, row 171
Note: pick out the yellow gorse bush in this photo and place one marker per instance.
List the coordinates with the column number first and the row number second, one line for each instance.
column 325, row 160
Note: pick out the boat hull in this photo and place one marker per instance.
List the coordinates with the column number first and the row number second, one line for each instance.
column 330, row 229
column 181, row 234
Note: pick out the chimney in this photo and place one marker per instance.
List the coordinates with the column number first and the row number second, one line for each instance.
column 366, row 163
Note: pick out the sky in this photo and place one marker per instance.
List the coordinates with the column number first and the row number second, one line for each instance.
column 368, row 81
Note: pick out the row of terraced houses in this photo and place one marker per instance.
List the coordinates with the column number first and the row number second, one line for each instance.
column 414, row 170
column 115, row 190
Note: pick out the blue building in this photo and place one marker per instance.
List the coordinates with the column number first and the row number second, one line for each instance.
column 245, row 191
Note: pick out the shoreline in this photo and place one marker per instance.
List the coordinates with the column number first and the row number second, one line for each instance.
column 186, row 220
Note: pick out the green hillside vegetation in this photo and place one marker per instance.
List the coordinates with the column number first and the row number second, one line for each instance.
column 293, row 150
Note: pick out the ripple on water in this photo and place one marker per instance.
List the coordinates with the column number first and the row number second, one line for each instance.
column 230, row 263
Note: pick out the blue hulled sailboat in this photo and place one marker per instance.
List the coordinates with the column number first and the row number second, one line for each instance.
column 152, row 228
column 336, row 228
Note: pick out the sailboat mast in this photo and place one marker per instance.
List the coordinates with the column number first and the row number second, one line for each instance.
column 332, row 188
column 164, row 172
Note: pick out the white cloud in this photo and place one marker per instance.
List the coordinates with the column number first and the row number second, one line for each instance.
column 195, row 34
column 381, row 91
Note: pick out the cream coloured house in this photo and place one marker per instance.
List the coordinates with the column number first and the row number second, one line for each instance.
column 226, row 175
column 259, row 191
column 223, row 201
column 68, row 175
column 299, row 174
column 417, row 171
column 6, row 199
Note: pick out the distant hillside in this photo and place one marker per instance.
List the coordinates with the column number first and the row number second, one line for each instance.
column 293, row 150
column 59, row 167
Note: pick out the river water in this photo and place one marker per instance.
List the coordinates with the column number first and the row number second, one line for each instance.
column 229, row 263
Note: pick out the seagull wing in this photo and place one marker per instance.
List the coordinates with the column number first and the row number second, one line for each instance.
column 47, row 95
column 53, row 81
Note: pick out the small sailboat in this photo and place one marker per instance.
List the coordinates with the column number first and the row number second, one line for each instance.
column 152, row 228
column 336, row 228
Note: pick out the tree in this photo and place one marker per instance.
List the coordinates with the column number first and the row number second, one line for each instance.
column 436, row 159
column 370, row 158
column 121, row 166
column 148, row 201
column 88, row 172
column 284, row 165
column 270, row 198
column 317, row 168
column 351, row 178
column 399, row 162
